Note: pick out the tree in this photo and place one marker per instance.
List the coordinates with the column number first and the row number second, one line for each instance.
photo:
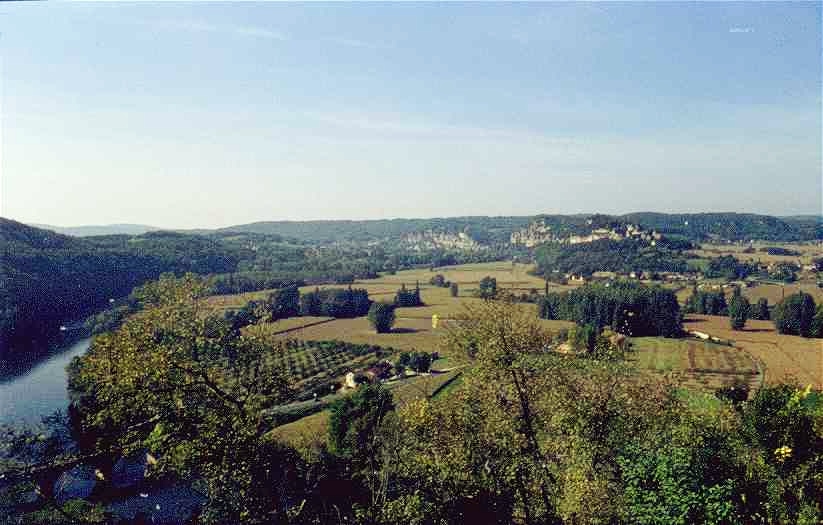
column 193, row 391
column 487, row 289
column 438, row 280
column 284, row 303
column 738, row 310
column 453, row 289
column 761, row 311
column 794, row 315
column 583, row 338
column 354, row 420
column 381, row 317
column 817, row 322
column 406, row 298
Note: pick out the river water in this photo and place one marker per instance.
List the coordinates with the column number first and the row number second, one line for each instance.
column 31, row 390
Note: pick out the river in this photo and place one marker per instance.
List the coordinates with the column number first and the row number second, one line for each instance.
column 29, row 391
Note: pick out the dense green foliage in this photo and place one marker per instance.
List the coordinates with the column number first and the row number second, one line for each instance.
column 419, row 362
column 706, row 303
column 738, row 310
column 786, row 272
column 795, row 315
column 729, row 267
column 48, row 278
column 381, row 317
column 405, row 297
column 627, row 307
column 335, row 302
column 606, row 255
column 761, row 310
column 731, row 226
column 487, row 288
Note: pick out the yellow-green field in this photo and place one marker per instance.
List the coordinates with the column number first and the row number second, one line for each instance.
column 775, row 292
column 694, row 364
column 407, row 334
column 783, row 357
column 807, row 251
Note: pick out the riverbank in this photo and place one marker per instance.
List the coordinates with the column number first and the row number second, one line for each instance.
column 36, row 387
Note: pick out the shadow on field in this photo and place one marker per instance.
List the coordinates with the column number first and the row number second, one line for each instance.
column 404, row 330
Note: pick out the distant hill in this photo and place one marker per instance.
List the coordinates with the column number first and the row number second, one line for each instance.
column 728, row 226
column 694, row 226
column 481, row 228
column 106, row 229
column 47, row 278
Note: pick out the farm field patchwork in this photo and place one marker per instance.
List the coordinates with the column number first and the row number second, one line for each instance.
column 312, row 430
column 785, row 357
column 694, row 364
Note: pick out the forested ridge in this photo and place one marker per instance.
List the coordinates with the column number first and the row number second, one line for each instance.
column 48, row 278
column 694, row 226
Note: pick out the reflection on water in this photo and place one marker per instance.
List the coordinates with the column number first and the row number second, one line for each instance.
column 31, row 390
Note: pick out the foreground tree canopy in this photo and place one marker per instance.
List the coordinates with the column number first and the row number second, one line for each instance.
column 529, row 435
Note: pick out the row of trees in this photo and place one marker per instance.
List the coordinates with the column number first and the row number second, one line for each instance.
column 626, row 307
column 408, row 298
column 335, row 302
column 797, row 314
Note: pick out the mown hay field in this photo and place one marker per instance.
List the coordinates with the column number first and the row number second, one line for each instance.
column 774, row 293
column 784, row 357
column 407, row 334
column 807, row 252
column 696, row 365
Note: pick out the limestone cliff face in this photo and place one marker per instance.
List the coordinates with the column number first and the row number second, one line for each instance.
column 538, row 232
column 430, row 239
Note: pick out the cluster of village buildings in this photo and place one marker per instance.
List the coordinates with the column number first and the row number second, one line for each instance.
column 538, row 232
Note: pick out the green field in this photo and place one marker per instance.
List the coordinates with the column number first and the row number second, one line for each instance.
column 694, row 364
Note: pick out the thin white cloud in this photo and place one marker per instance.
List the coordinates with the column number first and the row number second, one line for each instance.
column 200, row 26
column 353, row 42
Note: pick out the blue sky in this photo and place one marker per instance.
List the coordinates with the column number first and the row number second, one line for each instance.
column 203, row 115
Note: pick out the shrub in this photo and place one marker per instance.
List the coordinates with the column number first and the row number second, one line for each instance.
column 738, row 310
column 795, row 315
column 381, row 317
column 487, row 288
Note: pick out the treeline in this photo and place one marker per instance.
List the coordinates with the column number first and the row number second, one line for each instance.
column 335, row 302
column 729, row 267
column 607, row 255
column 484, row 229
column 626, row 307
